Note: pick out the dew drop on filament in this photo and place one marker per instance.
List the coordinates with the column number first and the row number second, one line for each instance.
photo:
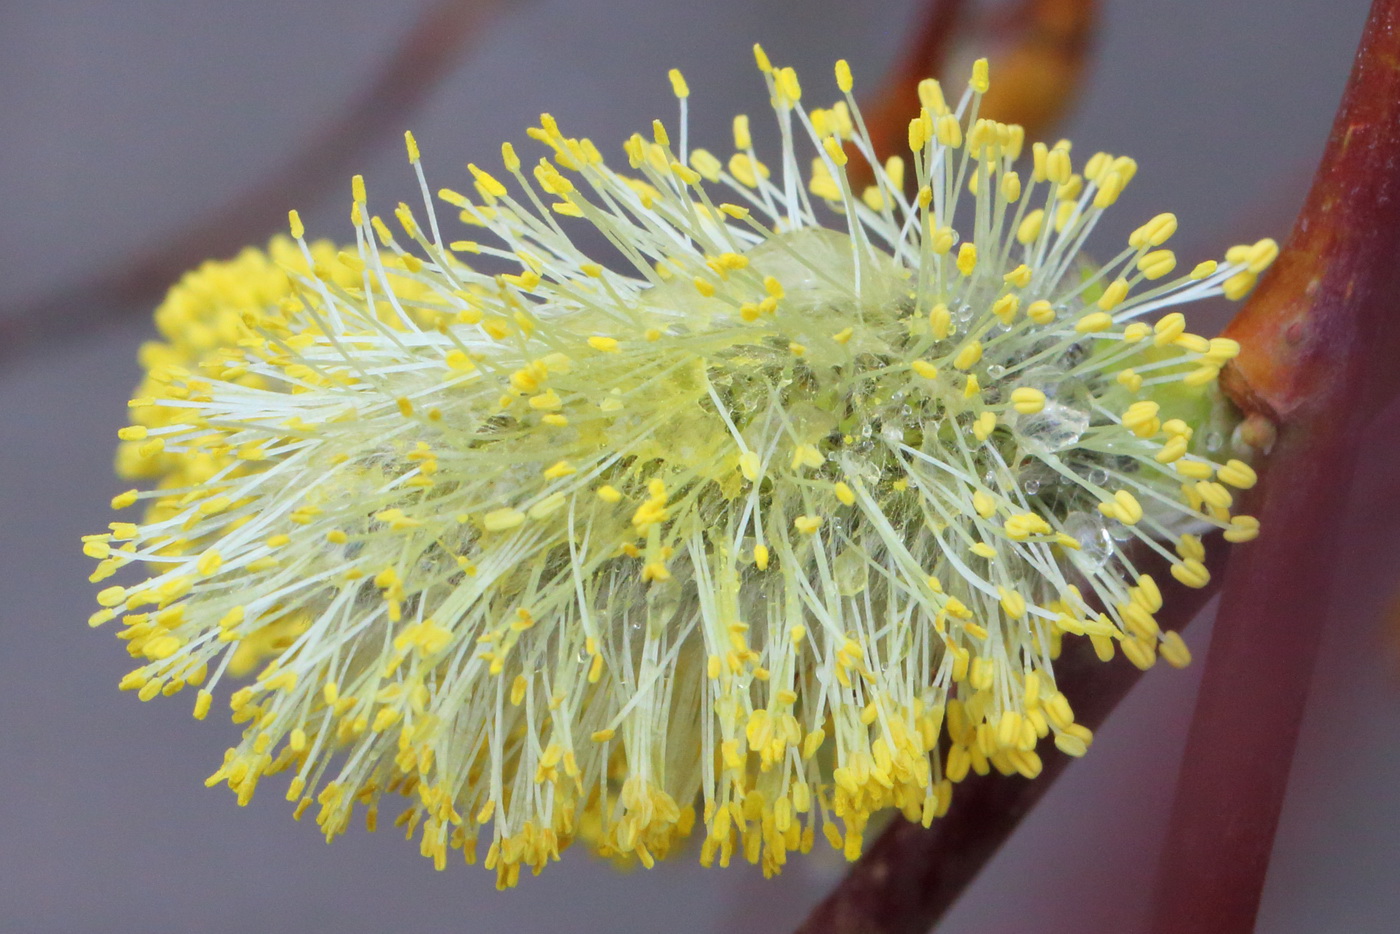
column 1095, row 543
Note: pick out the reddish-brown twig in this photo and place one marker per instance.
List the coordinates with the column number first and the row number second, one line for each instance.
column 1321, row 338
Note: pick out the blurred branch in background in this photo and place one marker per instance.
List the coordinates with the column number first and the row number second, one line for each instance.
column 427, row 54
column 1038, row 50
column 1320, row 339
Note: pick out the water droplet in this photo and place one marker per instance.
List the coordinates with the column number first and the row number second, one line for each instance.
column 850, row 572
column 1036, row 476
column 1214, row 441
column 1095, row 543
column 1065, row 417
column 996, row 371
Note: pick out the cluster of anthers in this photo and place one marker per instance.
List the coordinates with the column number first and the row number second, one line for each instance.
column 761, row 522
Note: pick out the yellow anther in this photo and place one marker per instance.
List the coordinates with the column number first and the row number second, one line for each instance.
column 1168, row 328
column 980, row 80
column 411, row 145
column 1194, row 469
column 1011, row 187
column 1153, row 233
column 1110, row 188
column 678, row 85
column 1192, row 573
column 747, row 170
column 948, row 131
column 789, row 89
column 807, row 525
column 1222, row 349
column 1238, row 285
column 805, row 456
column 509, row 158
column 940, row 321
column 1195, row 343
column 500, row 520
column 1094, row 322
column 1202, row 270
column 834, row 150
column 294, row 222
column 970, row 353
column 1023, row 525
column 1156, row 264
column 1242, row 529
column 843, row 76
column 1174, row 651
column 1113, row 295
column 1005, row 308
column 931, row 96
column 984, row 425
column 1027, row 400
column 1173, row 450
column 687, row 175
column 918, row 135
column 1214, row 494
column 1141, row 419
column 1136, row 331
column 1124, row 507
column 844, row 493
column 760, row 557
column 1201, row 376
column 559, row 469
column 983, row 504
column 487, row 183
column 1020, row 277
column 1040, row 311
column 209, row 562
column 1238, row 474
column 1261, row 255
column 704, row 162
column 924, row 368
column 1028, row 231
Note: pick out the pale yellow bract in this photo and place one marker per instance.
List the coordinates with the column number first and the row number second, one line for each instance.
column 780, row 521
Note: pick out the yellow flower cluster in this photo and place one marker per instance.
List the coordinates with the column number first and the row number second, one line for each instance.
column 780, row 510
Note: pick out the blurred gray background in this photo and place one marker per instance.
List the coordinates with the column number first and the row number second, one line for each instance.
column 125, row 122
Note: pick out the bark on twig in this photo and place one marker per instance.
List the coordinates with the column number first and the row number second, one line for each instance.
column 1321, row 338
